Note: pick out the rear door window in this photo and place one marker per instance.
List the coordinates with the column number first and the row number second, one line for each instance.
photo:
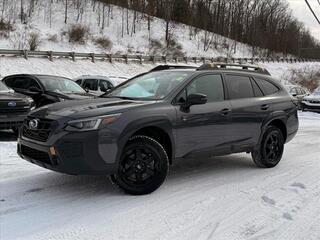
column 267, row 87
column 239, row 87
column 90, row 84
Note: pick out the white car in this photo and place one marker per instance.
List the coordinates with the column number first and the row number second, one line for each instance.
column 98, row 85
column 312, row 102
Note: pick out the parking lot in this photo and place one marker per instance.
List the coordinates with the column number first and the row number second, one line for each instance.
column 217, row 198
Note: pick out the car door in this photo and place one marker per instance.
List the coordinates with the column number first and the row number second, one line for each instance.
column 249, row 108
column 203, row 129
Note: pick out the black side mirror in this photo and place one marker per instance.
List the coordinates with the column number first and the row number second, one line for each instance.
column 196, row 99
column 294, row 94
column 35, row 90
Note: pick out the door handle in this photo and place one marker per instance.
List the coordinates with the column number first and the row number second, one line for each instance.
column 265, row 107
column 184, row 118
column 225, row 111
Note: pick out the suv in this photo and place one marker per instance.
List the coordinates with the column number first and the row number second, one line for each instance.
column 46, row 89
column 136, row 131
column 14, row 107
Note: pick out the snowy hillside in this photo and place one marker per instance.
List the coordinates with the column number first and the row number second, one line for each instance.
column 47, row 21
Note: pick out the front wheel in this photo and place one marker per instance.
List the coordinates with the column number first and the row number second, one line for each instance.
column 270, row 151
column 143, row 166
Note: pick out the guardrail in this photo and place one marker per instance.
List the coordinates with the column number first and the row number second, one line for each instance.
column 51, row 55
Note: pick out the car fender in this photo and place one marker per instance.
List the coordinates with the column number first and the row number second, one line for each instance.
column 160, row 121
column 278, row 115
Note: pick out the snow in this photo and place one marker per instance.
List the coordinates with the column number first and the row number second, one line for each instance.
column 217, row 198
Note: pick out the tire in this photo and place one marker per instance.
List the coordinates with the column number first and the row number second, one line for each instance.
column 143, row 166
column 270, row 151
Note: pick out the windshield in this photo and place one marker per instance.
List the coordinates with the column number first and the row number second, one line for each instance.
column 151, row 86
column 4, row 88
column 60, row 84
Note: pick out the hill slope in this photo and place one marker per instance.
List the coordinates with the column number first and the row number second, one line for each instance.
column 47, row 20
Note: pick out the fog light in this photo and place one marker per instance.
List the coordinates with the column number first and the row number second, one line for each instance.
column 53, row 151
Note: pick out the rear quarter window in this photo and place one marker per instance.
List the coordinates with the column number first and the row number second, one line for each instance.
column 239, row 87
column 267, row 87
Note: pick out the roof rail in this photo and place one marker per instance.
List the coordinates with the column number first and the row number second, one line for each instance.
column 247, row 68
column 168, row 67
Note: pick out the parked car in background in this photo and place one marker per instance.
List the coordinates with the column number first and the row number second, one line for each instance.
column 46, row 89
column 298, row 93
column 14, row 108
column 137, row 130
column 312, row 102
column 98, row 85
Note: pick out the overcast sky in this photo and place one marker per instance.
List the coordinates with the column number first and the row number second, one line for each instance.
column 301, row 11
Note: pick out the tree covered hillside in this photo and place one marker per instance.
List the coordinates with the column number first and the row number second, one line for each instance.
column 265, row 24
column 210, row 28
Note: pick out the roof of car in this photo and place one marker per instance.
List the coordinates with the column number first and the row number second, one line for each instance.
column 251, row 73
column 216, row 67
column 35, row 75
column 91, row 76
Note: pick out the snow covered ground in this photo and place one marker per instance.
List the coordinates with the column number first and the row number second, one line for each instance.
column 217, row 198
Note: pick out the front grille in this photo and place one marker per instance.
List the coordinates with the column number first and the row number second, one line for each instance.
column 9, row 125
column 20, row 107
column 14, row 110
column 314, row 101
column 35, row 154
column 42, row 132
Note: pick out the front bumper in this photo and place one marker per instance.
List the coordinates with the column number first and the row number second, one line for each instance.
column 310, row 106
column 83, row 153
column 9, row 121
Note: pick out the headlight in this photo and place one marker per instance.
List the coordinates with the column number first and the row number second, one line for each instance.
column 31, row 103
column 62, row 99
column 90, row 124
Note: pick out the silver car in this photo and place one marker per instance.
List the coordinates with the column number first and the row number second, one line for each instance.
column 312, row 102
column 297, row 92
column 98, row 85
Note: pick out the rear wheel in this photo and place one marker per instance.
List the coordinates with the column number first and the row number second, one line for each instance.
column 270, row 151
column 143, row 166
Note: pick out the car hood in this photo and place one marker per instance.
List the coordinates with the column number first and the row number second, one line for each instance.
column 72, row 96
column 12, row 96
column 87, row 108
column 312, row 97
